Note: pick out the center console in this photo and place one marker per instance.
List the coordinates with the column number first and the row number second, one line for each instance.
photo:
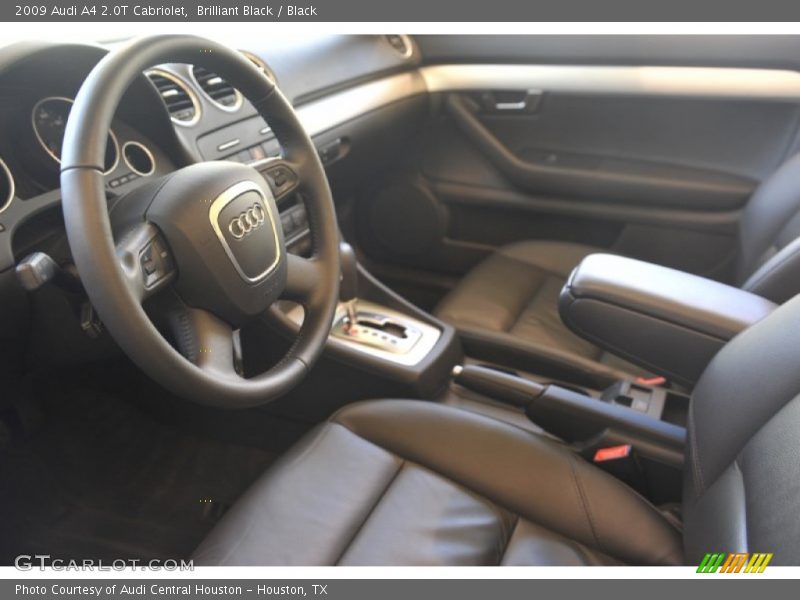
column 635, row 432
column 377, row 331
column 669, row 322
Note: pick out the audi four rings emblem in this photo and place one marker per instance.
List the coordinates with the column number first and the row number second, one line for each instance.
column 247, row 222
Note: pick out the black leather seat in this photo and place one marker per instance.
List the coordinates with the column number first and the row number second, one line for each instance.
column 402, row 482
column 405, row 482
column 507, row 306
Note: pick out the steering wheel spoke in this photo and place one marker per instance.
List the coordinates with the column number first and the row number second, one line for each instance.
column 302, row 279
column 206, row 340
column 146, row 260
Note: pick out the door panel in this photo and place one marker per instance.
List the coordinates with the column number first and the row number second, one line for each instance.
column 670, row 153
column 651, row 163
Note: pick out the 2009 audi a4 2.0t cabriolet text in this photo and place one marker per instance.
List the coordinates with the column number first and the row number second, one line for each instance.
column 394, row 300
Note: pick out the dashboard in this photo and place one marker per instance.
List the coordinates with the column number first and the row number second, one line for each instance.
column 178, row 114
column 356, row 96
column 35, row 157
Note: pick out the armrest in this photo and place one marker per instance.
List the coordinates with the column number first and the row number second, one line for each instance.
column 670, row 322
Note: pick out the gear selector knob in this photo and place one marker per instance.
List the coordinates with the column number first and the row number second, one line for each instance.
column 348, row 289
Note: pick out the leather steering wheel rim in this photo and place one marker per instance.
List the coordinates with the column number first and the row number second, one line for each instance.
column 107, row 275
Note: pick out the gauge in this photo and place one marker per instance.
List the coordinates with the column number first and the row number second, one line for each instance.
column 139, row 158
column 6, row 186
column 49, row 119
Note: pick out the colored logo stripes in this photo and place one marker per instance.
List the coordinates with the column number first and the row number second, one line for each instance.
column 740, row 562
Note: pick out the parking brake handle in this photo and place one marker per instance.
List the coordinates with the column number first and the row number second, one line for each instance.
column 500, row 386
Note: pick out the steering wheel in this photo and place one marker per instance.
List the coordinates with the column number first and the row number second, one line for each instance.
column 207, row 235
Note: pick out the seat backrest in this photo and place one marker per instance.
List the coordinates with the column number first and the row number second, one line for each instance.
column 742, row 472
column 769, row 253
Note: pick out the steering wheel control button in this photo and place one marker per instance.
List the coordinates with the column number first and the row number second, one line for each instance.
column 281, row 179
column 148, row 264
column 288, row 224
column 156, row 262
column 300, row 217
column 244, row 225
column 294, row 222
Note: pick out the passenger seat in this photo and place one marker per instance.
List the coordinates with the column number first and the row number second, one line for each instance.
column 506, row 308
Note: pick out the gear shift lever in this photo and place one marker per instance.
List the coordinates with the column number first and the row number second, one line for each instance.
column 348, row 288
column 369, row 326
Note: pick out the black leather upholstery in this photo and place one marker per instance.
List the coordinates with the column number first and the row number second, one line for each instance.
column 742, row 477
column 769, row 226
column 665, row 320
column 400, row 482
column 507, row 304
column 410, row 482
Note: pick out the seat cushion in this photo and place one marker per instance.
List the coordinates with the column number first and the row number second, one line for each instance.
column 402, row 482
column 509, row 302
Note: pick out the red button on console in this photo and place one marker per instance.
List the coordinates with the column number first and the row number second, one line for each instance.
column 612, row 453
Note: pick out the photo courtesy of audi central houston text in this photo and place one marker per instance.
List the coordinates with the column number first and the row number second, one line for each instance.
column 309, row 298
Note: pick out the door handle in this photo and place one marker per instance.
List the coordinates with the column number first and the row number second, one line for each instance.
column 511, row 106
column 525, row 101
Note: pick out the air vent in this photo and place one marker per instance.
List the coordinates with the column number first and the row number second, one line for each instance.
column 216, row 89
column 401, row 44
column 181, row 102
column 262, row 66
column 6, row 186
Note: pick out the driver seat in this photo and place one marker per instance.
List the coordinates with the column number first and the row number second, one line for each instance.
column 401, row 482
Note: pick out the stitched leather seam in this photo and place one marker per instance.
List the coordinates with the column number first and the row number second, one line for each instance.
column 572, row 459
column 448, row 478
column 532, row 296
column 187, row 339
column 584, row 502
column 526, row 305
column 534, row 265
column 372, row 508
column 506, row 533
column 501, row 545
column 241, row 538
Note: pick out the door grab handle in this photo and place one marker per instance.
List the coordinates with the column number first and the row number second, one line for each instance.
column 507, row 101
column 521, row 105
